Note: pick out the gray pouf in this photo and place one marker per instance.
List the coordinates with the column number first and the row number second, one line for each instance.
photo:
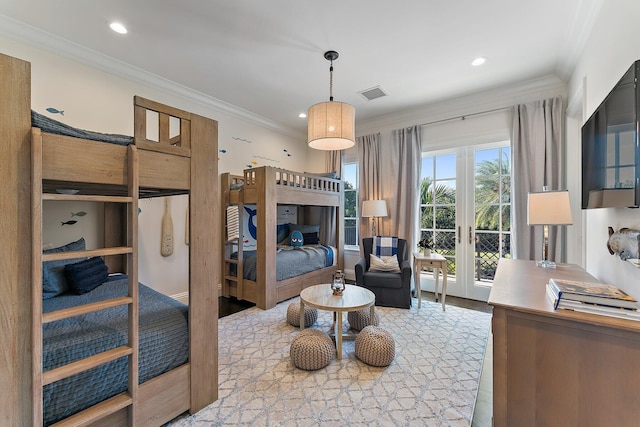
column 375, row 346
column 293, row 315
column 312, row 349
column 359, row 319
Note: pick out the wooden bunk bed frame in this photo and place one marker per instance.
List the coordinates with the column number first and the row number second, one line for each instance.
column 35, row 163
column 266, row 187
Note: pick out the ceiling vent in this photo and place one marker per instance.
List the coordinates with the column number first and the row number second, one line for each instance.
column 373, row 93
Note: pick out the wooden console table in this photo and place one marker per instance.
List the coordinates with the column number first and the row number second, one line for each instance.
column 559, row 368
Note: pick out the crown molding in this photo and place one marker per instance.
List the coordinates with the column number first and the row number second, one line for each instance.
column 56, row 45
column 496, row 98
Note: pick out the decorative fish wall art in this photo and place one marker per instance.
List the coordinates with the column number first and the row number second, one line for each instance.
column 67, row 222
column 55, row 111
column 625, row 242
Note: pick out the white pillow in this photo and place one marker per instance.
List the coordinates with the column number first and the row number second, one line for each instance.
column 384, row 263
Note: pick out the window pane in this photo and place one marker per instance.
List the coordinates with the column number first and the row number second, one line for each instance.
column 351, row 232
column 445, row 217
column 446, row 166
column 445, row 192
column 426, row 220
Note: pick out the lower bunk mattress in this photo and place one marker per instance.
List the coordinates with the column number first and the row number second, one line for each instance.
column 163, row 345
column 290, row 261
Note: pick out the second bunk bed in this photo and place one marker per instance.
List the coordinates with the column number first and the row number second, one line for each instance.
column 267, row 187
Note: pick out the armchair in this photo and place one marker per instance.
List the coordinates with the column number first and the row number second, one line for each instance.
column 391, row 289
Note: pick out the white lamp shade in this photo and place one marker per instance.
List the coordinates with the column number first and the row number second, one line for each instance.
column 331, row 126
column 549, row 208
column 371, row 208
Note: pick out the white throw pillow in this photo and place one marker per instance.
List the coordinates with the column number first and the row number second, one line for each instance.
column 384, row 263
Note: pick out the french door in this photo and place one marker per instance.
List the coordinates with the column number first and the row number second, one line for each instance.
column 465, row 211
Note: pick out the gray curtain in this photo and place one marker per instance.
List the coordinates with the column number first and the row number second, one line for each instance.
column 404, row 173
column 369, row 171
column 328, row 214
column 536, row 142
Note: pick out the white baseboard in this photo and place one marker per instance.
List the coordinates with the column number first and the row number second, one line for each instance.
column 183, row 297
column 350, row 274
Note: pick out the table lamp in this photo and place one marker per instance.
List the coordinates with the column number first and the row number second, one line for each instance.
column 374, row 209
column 548, row 208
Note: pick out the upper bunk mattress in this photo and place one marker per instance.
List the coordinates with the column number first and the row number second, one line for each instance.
column 163, row 345
column 50, row 125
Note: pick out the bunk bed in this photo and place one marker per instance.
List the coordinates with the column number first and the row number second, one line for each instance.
column 267, row 187
column 116, row 175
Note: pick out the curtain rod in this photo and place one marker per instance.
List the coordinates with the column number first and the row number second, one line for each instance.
column 464, row 116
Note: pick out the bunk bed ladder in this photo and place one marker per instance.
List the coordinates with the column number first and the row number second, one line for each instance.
column 130, row 350
column 229, row 243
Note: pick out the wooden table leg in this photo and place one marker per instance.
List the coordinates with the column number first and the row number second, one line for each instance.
column 372, row 313
column 338, row 332
column 416, row 280
column 301, row 315
column 444, row 284
column 436, row 272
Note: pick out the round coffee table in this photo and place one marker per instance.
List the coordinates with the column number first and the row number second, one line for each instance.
column 353, row 298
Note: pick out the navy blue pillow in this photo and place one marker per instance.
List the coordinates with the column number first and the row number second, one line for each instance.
column 53, row 281
column 283, row 234
column 85, row 276
column 310, row 238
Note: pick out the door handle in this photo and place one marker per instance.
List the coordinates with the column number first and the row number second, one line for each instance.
column 470, row 236
column 459, row 235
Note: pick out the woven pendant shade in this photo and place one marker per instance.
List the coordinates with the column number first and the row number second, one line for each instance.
column 331, row 126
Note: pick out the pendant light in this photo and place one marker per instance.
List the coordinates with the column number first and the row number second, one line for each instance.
column 331, row 125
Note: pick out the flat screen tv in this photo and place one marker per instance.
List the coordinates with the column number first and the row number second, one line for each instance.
column 610, row 148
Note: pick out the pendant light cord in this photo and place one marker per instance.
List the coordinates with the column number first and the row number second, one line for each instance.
column 331, row 81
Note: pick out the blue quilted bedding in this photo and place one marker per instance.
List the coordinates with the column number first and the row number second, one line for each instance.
column 290, row 261
column 50, row 125
column 163, row 345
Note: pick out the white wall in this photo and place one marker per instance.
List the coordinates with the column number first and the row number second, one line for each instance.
column 610, row 50
column 103, row 101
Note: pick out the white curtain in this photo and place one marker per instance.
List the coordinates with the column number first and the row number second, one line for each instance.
column 404, row 176
column 536, row 142
column 369, row 186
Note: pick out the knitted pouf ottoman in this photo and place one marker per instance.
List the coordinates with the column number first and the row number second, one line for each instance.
column 375, row 346
column 293, row 315
column 312, row 349
column 359, row 319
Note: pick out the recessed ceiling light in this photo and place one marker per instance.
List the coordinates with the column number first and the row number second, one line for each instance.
column 302, row 115
column 118, row 27
column 478, row 61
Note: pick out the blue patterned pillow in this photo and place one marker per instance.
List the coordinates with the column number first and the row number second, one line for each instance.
column 53, row 280
column 385, row 246
column 85, row 276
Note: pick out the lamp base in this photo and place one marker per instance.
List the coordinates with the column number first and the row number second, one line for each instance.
column 546, row 264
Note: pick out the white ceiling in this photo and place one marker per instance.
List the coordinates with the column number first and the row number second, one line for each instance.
column 267, row 56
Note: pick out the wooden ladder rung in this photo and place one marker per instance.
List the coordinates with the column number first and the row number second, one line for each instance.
column 97, row 411
column 231, row 278
column 231, row 260
column 87, row 198
column 84, row 309
column 119, row 250
column 85, row 364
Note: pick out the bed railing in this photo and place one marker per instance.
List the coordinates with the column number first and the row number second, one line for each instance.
column 162, row 128
column 294, row 180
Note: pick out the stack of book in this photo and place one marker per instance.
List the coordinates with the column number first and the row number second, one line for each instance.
column 596, row 298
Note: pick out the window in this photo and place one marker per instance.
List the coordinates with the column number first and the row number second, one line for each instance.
column 350, row 214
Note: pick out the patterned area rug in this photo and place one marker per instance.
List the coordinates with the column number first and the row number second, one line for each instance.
column 433, row 380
